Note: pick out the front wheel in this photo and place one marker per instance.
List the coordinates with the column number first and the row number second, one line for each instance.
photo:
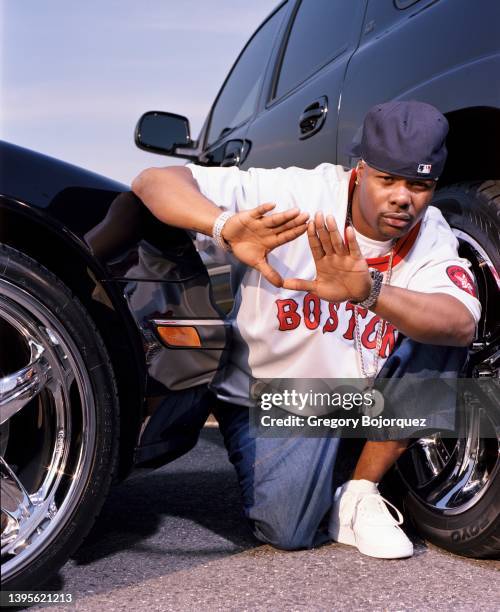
column 59, row 419
column 453, row 485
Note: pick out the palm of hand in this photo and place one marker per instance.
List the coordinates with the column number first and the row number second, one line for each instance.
column 341, row 270
column 340, row 278
column 250, row 240
column 252, row 235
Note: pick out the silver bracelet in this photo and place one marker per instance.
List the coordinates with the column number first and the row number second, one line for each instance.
column 377, row 281
column 217, row 230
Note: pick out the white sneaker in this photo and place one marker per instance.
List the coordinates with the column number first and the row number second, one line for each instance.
column 360, row 518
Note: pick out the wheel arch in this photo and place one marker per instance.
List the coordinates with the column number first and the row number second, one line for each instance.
column 472, row 143
column 30, row 233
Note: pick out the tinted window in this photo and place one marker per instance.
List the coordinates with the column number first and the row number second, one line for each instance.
column 239, row 96
column 320, row 32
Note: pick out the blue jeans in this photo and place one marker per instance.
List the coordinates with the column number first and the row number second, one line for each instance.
column 287, row 484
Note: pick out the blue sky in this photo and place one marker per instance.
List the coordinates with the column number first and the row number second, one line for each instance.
column 76, row 75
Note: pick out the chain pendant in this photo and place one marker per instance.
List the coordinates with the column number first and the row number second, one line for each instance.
column 376, row 406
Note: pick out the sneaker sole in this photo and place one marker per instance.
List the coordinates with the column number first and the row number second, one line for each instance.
column 345, row 535
column 381, row 554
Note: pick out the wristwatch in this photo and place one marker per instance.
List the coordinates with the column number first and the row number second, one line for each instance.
column 377, row 282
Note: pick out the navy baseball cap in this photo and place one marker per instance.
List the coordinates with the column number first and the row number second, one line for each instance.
column 405, row 138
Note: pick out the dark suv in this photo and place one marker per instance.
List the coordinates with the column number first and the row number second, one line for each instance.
column 111, row 326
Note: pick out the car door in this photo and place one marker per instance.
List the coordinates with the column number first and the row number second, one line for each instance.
column 297, row 119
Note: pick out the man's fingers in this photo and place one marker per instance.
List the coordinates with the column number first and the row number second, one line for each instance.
column 296, row 222
column 314, row 242
column 259, row 211
column 298, row 284
column 335, row 237
column 277, row 219
column 269, row 273
column 289, row 235
column 323, row 235
column 352, row 243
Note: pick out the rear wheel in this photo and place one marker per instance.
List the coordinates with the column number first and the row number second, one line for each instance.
column 59, row 418
column 453, row 485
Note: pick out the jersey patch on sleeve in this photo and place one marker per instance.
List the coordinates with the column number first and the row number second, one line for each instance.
column 462, row 279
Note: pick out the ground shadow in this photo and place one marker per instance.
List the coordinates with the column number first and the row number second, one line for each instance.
column 200, row 487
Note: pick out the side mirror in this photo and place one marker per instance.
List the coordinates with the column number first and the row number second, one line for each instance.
column 160, row 132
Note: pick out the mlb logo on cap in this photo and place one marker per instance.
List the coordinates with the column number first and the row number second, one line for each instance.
column 424, row 168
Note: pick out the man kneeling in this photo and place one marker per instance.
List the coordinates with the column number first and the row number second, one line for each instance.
column 342, row 274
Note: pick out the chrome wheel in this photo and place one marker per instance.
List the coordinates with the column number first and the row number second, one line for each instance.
column 452, row 475
column 47, row 426
column 453, row 484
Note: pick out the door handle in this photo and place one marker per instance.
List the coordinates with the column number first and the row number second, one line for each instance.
column 313, row 118
column 231, row 159
column 235, row 152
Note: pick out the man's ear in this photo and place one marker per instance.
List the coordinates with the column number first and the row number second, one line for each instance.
column 360, row 169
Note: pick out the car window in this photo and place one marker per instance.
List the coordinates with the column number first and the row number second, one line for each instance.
column 320, row 31
column 237, row 99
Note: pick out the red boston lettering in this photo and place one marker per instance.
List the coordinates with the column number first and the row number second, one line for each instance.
column 287, row 314
column 369, row 337
column 311, row 307
column 349, row 334
column 333, row 320
column 389, row 338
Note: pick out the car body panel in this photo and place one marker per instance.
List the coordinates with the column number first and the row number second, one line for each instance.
column 136, row 268
column 432, row 71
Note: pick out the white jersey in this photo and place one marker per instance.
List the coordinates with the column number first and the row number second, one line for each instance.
column 280, row 333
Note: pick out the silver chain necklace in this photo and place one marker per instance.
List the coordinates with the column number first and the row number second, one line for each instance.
column 370, row 375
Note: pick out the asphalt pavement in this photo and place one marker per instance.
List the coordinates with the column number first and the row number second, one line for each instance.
column 175, row 540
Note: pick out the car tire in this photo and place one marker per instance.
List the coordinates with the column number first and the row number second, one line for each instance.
column 457, row 506
column 59, row 432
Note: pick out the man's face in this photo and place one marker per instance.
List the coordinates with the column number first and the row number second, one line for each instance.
column 386, row 206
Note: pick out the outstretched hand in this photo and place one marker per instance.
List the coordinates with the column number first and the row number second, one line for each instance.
column 341, row 270
column 252, row 235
